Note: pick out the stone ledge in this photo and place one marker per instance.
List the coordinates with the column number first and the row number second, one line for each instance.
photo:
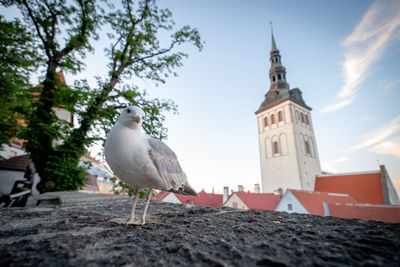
column 78, row 232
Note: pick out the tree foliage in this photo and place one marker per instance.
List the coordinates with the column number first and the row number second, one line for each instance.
column 17, row 61
column 65, row 32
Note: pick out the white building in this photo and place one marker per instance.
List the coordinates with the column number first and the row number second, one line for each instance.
column 288, row 151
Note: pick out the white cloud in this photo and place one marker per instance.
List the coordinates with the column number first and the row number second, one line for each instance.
column 331, row 165
column 365, row 46
column 379, row 135
column 387, row 86
column 389, row 147
column 338, row 105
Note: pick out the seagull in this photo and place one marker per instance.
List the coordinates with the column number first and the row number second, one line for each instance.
column 142, row 161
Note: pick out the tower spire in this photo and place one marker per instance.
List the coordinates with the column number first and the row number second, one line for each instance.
column 273, row 46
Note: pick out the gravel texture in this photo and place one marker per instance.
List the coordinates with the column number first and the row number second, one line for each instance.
column 77, row 232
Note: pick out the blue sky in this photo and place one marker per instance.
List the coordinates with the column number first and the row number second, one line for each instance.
column 324, row 45
column 343, row 55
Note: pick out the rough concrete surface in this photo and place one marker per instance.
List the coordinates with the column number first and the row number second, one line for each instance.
column 77, row 232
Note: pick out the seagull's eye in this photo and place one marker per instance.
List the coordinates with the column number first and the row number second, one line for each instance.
column 128, row 110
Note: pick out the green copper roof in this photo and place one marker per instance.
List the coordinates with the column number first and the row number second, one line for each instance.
column 273, row 48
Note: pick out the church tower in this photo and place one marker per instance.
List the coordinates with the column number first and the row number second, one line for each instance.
column 288, row 152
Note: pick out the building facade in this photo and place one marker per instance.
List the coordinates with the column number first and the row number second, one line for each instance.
column 288, row 151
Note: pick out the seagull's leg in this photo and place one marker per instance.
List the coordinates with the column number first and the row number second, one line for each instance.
column 147, row 205
column 131, row 219
column 135, row 201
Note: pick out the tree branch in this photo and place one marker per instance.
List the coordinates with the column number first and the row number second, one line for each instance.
column 72, row 44
column 35, row 23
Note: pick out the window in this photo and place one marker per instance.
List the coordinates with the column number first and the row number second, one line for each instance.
column 273, row 78
column 276, row 147
column 307, row 146
column 272, row 118
column 265, row 121
column 279, row 76
column 235, row 205
column 302, row 117
column 297, row 115
column 289, row 206
column 307, row 119
column 280, row 117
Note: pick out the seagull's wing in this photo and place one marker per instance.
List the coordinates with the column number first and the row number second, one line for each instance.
column 167, row 165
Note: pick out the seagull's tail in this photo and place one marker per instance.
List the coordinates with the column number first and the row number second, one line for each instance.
column 185, row 190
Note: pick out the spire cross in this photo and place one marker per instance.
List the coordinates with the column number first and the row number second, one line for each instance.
column 270, row 23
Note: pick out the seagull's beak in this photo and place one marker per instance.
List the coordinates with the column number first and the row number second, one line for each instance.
column 136, row 119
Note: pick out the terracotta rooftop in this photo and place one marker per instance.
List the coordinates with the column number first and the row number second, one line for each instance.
column 384, row 213
column 262, row 201
column 204, row 199
column 364, row 187
column 313, row 201
column 18, row 163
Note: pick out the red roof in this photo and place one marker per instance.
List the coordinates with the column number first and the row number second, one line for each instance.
column 204, row 199
column 162, row 195
column 263, row 201
column 365, row 187
column 384, row 213
column 313, row 201
column 18, row 163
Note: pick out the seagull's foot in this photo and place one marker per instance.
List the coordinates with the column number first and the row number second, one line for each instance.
column 127, row 221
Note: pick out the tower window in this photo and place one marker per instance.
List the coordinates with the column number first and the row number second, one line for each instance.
column 273, row 78
column 302, row 117
column 276, row 147
column 280, row 117
column 279, row 76
column 307, row 119
column 272, row 118
column 307, row 146
column 265, row 121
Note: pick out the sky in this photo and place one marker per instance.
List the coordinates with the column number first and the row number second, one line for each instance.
column 343, row 55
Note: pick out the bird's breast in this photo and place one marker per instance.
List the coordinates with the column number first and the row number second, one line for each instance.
column 127, row 155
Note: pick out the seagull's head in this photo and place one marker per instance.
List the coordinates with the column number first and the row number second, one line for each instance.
column 132, row 117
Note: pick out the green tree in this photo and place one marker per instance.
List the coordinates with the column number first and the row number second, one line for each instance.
column 65, row 31
column 17, row 61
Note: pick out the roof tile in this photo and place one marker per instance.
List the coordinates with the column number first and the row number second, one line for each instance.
column 312, row 201
column 364, row 187
column 261, row 201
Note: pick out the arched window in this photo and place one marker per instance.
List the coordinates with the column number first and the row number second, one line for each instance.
column 265, row 121
column 279, row 76
column 302, row 117
column 273, row 78
column 280, row 117
column 297, row 115
column 272, row 118
column 276, row 147
column 307, row 119
column 307, row 146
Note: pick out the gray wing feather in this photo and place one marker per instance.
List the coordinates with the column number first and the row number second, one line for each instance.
column 167, row 165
